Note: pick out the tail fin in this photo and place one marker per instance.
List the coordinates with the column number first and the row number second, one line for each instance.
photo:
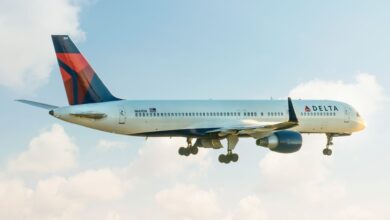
column 82, row 84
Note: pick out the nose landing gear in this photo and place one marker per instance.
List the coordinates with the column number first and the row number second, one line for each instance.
column 327, row 151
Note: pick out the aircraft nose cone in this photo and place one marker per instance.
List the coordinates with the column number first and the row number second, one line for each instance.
column 361, row 125
column 51, row 112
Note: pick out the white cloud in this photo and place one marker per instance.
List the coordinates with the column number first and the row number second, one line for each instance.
column 365, row 93
column 101, row 184
column 106, row 145
column 305, row 174
column 189, row 202
column 356, row 213
column 250, row 208
column 14, row 198
column 159, row 157
column 52, row 151
column 76, row 197
column 27, row 54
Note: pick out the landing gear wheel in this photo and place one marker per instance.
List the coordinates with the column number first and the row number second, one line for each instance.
column 194, row 150
column 182, row 151
column 327, row 152
column 222, row 158
column 234, row 157
column 329, row 142
column 227, row 158
column 187, row 152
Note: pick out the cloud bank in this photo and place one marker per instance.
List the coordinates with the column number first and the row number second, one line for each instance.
column 52, row 151
column 27, row 55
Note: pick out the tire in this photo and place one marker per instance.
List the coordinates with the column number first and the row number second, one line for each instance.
column 234, row 157
column 194, row 150
column 222, row 158
column 325, row 151
column 182, row 150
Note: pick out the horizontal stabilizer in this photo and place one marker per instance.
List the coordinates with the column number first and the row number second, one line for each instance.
column 38, row 104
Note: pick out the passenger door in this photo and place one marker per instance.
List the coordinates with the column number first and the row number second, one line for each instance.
column 347, row 116
column 122, row 115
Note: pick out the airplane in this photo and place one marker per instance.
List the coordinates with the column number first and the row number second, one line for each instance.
column 274, row 124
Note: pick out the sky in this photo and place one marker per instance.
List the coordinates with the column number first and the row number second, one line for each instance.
column 172, row 49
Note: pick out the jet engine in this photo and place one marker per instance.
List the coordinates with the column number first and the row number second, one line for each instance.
column 282, row 141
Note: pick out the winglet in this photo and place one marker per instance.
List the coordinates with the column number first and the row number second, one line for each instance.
column 292, row 117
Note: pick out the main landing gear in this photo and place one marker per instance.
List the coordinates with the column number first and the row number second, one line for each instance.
column 190, row 149
column 327, row 151
column 223, row 158
column 230, row 156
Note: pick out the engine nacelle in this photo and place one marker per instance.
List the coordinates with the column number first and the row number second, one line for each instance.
column 282, row 141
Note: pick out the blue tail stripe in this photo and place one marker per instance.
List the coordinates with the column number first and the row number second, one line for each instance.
column 72, row 74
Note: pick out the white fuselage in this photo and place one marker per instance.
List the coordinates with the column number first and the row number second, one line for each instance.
column 196, row 117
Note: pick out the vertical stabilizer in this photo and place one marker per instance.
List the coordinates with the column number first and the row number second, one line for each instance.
column 81, row 82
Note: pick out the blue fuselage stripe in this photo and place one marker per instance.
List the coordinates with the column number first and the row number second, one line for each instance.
column 196, row 132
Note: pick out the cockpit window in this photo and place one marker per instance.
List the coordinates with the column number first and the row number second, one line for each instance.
column 357, row 114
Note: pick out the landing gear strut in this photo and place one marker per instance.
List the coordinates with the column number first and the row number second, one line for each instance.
column 327, row 151
column 190, row 149
column 230, row 156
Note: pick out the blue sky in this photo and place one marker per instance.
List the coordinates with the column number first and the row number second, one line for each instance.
column 194, row 50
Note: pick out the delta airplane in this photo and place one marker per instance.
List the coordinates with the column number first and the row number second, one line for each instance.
column 274, row 124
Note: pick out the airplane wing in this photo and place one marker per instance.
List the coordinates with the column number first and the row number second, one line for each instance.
column 37, row 104
column 257, row 130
